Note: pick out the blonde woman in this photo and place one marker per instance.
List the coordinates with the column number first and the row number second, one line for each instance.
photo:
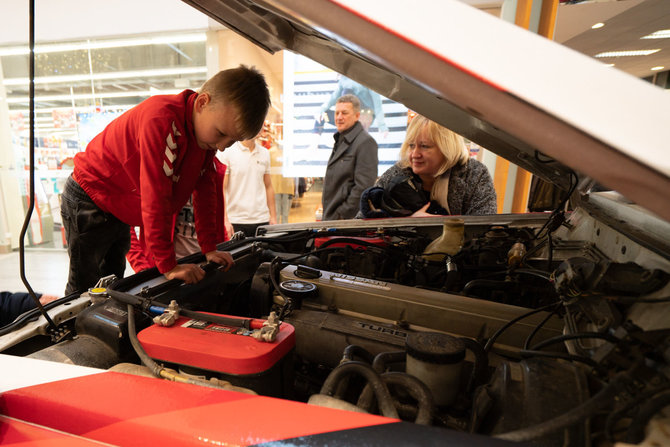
column 442, row 177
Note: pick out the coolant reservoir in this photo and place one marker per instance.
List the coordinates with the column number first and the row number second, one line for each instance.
column 436, row 359
column 449, row 243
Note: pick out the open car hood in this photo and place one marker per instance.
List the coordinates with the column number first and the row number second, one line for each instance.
column 544, row 107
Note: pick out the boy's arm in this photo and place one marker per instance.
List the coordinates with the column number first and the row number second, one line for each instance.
column 158, row 146
column 204, row 208
column 138, row 258
column 270, row 197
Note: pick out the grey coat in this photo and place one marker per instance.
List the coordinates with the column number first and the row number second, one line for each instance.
column 470, row 187
column 352, row 168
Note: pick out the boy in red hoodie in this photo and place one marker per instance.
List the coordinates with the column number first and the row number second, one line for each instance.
column 142, row 168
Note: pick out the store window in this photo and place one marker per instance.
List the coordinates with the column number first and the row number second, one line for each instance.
column 80, row 86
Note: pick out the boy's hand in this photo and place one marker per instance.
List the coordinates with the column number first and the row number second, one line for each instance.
column 221, row 257
column 189, row 273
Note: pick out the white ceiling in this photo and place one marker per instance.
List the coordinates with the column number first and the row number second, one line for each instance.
column 626, row 21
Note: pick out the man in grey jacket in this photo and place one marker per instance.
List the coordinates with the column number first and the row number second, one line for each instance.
column 352, row 166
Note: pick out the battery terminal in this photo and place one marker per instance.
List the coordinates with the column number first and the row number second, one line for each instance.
column 169, row 316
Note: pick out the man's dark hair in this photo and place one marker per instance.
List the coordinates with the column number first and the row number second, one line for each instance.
column 245, row 89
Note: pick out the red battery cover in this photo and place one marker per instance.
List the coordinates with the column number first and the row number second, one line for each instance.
column 216, row 347
column 372, row 240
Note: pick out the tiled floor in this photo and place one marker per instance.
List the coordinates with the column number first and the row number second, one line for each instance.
column 304, row 208
column 46, row 269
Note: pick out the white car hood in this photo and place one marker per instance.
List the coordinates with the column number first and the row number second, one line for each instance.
column 513, row 92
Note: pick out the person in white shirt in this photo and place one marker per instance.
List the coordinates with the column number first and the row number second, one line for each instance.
column 247, row 186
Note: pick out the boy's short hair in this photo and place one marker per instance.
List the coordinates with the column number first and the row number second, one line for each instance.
column 245, row 89
column 351, row 99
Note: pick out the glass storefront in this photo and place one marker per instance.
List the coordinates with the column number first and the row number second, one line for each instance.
column 80, row 86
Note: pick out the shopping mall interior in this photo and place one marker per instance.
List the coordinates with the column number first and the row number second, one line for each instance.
column 94, row 60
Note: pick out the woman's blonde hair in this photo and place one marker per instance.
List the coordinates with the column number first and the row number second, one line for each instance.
column 450, row 144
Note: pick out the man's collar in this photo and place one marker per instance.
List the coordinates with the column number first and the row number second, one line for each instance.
column 350, row 133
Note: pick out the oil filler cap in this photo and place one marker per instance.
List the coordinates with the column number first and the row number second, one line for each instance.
column 306, row 272
column 298, row 289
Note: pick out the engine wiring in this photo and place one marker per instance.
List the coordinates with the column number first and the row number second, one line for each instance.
column 557, row 217
column 489, row 344
column 536, row 329
column 560, row 355
column 576, row 336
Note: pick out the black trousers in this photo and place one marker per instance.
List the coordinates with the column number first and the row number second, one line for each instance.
column 248, row 229
column 97, row 242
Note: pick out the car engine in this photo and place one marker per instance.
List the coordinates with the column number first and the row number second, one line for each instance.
column 548, row 328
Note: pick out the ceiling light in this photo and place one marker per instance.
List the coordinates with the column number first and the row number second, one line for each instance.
column 660, row 34
column 598, row 25
column 98, row 44
column 627, row 53
column 42, row 98
column 108, row 75
column 657, row 68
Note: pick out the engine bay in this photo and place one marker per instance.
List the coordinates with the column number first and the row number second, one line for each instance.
column 518, row 327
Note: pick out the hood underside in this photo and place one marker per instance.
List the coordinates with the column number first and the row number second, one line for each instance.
column 499, row 101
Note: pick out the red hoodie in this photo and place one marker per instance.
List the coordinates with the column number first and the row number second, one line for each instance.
column 138, row 255
column 144, row 166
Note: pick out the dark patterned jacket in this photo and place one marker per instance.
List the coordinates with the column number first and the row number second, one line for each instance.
column 470, row 187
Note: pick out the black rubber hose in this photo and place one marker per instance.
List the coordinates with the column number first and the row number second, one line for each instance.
column 550, row 251
column 613, row 417
column 374, row 380
column 418, row 390
column 141, row 353
column 288, row 301
column 560, row 355
column 635, row 433
column 133, row 300
column 579, row 414
column 576, row 336
column 381, row 360
column 481, row 366
column 532, row 272
column 353, row 351
column 487, row 284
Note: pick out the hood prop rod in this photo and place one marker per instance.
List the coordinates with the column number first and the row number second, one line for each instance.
column 31, row 194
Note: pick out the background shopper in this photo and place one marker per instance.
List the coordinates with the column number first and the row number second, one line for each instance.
column 352, row 166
